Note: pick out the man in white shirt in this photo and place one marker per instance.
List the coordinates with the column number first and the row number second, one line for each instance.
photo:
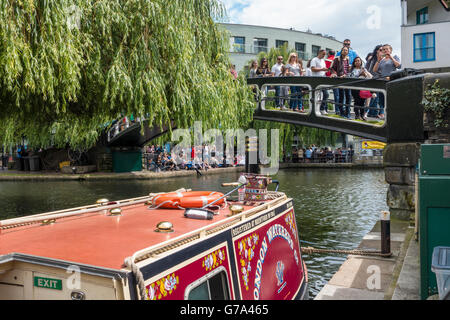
column 276, row 71
column 319, row 69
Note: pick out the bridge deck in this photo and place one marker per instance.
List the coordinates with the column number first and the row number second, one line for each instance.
column 403, row 109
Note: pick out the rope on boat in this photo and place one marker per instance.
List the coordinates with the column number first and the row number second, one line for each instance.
column 310, row 250
column 138, row 276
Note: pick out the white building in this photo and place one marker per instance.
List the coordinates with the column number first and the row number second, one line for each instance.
column 247, row 41
column 426, row 34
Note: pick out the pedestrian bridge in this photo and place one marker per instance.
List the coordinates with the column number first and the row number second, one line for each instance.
column 403, row 109
column 126, row 133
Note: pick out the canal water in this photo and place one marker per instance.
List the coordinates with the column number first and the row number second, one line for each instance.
column 335, row 208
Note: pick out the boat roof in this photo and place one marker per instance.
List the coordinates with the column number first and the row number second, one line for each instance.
column 98, row 239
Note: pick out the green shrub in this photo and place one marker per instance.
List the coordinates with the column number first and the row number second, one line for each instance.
column 437, row 101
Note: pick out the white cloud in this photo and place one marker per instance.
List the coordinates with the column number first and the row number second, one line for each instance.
column 366, row 23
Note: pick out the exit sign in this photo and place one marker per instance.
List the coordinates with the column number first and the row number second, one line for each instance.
column 48, row 283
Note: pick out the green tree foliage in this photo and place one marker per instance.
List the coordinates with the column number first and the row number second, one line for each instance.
column 437, row 101
column 70, row 67
column 306, row 136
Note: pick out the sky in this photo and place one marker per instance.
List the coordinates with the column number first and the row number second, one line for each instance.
column 365, row 23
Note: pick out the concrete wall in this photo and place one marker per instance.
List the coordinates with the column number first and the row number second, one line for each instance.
column 273, row 34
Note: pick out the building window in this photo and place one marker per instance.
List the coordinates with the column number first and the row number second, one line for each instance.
column 280, row 43
column 315, row 51
column 424, row 47
column 239, row 44
column 300, row 48
column 259, row 45
column 422, row 16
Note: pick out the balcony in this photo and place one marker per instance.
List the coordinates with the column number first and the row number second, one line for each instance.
column 252, row 49
column 248, row 49
column 303, row 55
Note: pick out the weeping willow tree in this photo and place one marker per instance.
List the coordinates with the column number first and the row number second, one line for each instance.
column 70, row 67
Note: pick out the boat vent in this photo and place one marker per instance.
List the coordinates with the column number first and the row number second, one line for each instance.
column 164, row 227
column 102, row 202
column 115, row 212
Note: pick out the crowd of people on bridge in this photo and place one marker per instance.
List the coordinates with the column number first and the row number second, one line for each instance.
column 378, row 64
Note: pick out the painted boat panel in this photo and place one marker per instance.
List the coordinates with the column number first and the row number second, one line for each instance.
column 174, row 284
column 269, row 259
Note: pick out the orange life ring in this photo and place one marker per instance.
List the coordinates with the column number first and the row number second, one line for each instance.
column 190, row 199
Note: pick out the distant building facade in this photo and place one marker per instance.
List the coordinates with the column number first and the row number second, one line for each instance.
column 247, row 41
column 426, row 35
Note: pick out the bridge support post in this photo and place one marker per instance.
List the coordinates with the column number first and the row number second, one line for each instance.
column 401, row 159
column 400, row 162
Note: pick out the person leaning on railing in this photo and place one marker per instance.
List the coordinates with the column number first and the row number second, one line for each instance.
column 319, row 69
column 341, row 68
column 295, row 67
column 276, row 72
column 253, row 69
column 385, row 65
column 253, row 74
column 263, row 69
column 361, row 97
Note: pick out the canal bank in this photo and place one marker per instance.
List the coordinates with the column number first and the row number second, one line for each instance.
column 378, row 278
column 15, row 175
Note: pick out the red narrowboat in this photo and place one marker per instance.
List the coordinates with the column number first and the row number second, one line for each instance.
column 242, row 249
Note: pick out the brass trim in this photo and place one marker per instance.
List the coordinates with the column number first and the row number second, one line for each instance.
column 115, row 212
column 102, row 201
column 164, row 227
column 48, row 222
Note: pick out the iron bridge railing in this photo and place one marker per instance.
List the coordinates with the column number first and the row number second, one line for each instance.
column 403, row 111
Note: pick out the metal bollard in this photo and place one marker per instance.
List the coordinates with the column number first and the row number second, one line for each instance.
column 385, row 232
